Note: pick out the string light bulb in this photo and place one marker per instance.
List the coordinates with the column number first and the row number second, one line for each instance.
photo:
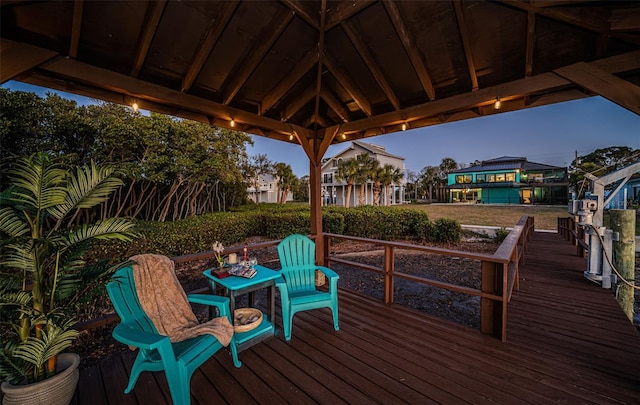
column 291, row 137
column 232, row 123
column 404, row 126
column 497, row 104
column 344, row 136
column 135, row 106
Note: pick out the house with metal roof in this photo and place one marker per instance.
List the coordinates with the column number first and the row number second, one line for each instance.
column 334, row 190
column 509, row 180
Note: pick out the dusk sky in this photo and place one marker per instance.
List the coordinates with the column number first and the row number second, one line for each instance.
column 550, row 134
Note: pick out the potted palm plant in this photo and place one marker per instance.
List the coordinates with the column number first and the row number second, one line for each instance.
column 42, row 243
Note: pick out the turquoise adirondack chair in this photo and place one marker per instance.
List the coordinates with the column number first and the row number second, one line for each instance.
column 297, row 287
column 156, row 352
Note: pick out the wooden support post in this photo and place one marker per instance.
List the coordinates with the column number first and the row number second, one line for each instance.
column 579, row 248
column 624, row 222
column 491, row 311
column 388, row 274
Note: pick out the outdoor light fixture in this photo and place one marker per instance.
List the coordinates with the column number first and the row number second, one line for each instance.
column 134, row 106
column 497, row 104
column 232, row 123
column 344, row 136
column 404, row 126
column 291, row 137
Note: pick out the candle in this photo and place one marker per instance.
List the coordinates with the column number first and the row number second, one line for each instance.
column 245, row 254
column 233, row 258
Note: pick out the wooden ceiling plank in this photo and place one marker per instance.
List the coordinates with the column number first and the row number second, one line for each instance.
column 531, row 40
column 416, row 57
column 301, row 68
column 367, row 57
column 17, row 58
column 466, row 43
column 625, row 19
column 625, row 62
column 76, row 28
column 611, row 87
column 277, row 26
column 574, row 16
column 346, row 82
column 323, row 20
column 74, row 71
column 299, row 8
column 344, row 11
column 211, row 37
column 149, row 28
column 298, row 103
column 334, row 104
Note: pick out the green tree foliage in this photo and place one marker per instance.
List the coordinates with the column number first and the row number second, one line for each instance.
column 347, row 170
column 598, row 163
column 171, row 168
column 287, row 181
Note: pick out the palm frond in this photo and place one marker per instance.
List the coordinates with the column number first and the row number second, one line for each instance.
column 54, row 340
column 12, row 369
column 14, row 298
column 108, row 229
column 19, row 256
column 11, row 224
column 39, row 182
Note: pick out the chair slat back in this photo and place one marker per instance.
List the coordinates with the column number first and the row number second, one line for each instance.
column 297, row 257
column 122, row 291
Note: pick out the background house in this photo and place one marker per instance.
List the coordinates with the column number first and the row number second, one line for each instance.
column 334, row 191
column 509, row 180
column 267, row 191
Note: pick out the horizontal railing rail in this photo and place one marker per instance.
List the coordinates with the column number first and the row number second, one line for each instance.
column 498, row 279
column 569, row 229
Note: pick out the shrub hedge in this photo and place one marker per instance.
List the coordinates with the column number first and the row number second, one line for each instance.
column 196, row 234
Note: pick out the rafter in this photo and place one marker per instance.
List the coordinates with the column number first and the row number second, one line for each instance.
column 611, row 87
column 346, row 82
column 283, row 87
column 624, row 19
column 99, row 78
column 298, row 103
column 299, row 9
column 531, row 40
column 152, row 20
column 367, row 57
column 466, row 43
column 344, row 11
column 335, row 104
column 214, row 31
column 76, row 27
column 416, row 57
column 17, row 58
column 321, row 57
column 275, row 29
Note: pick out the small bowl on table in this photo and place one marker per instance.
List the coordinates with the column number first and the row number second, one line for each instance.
column 246, row 319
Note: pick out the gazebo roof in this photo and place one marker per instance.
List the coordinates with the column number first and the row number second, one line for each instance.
column 310, row 71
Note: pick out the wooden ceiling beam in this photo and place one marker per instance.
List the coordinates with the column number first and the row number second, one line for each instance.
column 416, row 57
column 611, row 87
column 300, row 69
column 321, row 56
column 149, row 28
column 345, row 10
column 76, row 28
column 299, row 8
column 214, row 31
column 531, row 41
column 625, row 19
column 346, row 82
column 17, row 58
column 575, row 16
column 466, row 42
column 364, row 52
column 270, row 35
column 72, row 71
column 298, row 103
column 335, row 104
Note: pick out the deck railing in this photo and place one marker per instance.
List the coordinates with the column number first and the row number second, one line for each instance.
column 574, row 233
column 499, row 275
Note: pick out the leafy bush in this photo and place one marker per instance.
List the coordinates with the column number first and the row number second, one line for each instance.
column 501, row 234
column 447, row 230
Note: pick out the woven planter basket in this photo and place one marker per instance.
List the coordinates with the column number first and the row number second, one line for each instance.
column 56, row 390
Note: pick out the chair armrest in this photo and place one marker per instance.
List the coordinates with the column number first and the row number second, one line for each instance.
column 327, row 272
column 282, row 287
column 222, row 303
column 135, row 337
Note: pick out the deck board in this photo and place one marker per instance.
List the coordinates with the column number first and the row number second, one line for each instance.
column 568, row 341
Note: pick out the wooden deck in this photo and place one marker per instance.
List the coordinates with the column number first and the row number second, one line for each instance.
column 568, row 342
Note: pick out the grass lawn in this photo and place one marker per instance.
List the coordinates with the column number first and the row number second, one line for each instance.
column 546, row 217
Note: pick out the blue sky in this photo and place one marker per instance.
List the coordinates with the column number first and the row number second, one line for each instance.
column 550, row 134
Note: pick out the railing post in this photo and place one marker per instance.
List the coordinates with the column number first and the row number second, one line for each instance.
column 388, row 274
column 491, row 311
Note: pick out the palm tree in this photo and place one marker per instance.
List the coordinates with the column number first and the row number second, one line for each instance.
column 392, row 175
column 286, row 180
column 346, row 171
column 363, row 174
column 377, row 175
